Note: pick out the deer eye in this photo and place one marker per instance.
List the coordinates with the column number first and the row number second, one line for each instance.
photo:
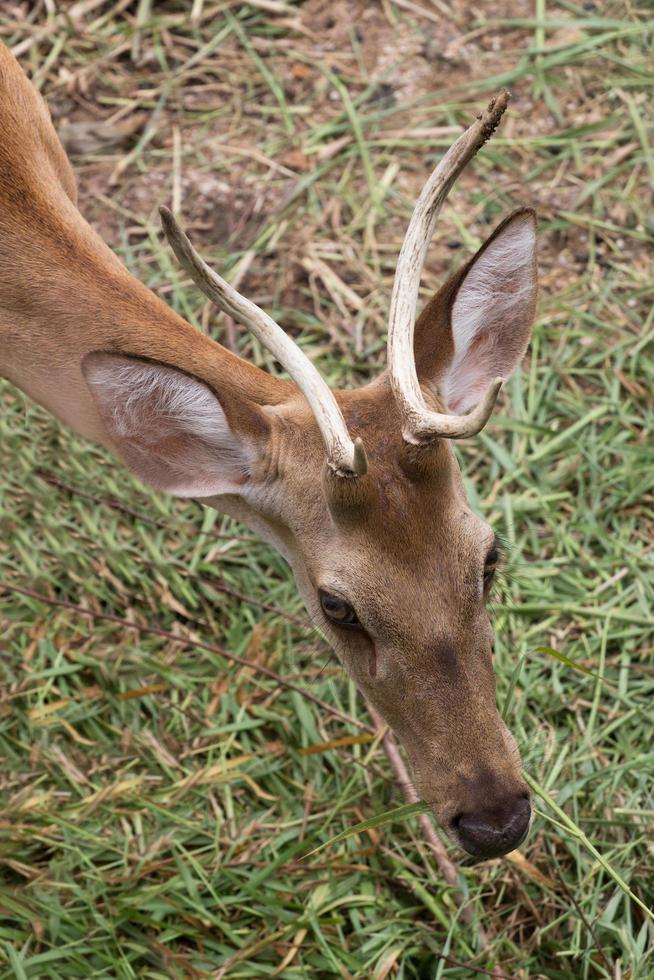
column 338, row 610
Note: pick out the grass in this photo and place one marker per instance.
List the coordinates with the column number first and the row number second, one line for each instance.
column 158, row 800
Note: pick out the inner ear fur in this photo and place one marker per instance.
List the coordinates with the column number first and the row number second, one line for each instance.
column 176, row 432
column 433, row 343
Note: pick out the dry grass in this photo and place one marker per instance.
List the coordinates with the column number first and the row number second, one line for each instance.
column 155, row 798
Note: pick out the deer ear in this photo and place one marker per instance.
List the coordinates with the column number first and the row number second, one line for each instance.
column 478, row 325
column 170, row 428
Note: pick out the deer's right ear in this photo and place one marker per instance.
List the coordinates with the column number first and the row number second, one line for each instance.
column 171, row 429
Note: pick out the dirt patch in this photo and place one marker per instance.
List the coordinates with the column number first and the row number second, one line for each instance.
column 268, row 154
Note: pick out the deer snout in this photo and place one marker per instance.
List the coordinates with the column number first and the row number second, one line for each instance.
column 495, row 828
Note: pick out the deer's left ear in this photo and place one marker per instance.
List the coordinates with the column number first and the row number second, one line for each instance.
column 478, row 325
column 172, row 430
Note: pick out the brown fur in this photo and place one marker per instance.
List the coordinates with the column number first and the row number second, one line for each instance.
column 401, row 543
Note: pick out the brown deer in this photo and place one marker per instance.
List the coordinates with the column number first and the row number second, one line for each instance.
column 359, row 490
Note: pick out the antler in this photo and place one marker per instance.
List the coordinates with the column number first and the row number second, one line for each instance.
column 346, row 458
column 420, row 423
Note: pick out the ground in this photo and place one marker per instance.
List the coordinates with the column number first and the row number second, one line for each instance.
column 156, row 799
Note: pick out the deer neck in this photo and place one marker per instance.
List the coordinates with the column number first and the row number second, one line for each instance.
column 65, row 294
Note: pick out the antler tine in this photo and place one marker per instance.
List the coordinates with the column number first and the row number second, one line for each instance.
column 346, row 458
column 420, row 423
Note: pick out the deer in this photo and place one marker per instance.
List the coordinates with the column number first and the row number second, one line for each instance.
column 359, row 490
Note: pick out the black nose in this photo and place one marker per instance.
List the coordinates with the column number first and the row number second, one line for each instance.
column 495, row 829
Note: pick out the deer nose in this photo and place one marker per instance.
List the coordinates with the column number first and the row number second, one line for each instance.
column 494, row 830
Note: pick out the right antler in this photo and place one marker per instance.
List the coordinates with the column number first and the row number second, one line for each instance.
column 420, row 423
column 346, row 458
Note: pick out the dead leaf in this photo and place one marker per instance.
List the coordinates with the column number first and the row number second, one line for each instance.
column 336, row 743
column 95, row 136
column 296, row 160
column 301, row 71
column 140, row 692
column 518, row 860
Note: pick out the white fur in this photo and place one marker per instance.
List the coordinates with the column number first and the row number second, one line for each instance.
column 491, row 315
column 169, row 427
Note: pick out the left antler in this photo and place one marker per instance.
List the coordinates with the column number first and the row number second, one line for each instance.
column 345, row 457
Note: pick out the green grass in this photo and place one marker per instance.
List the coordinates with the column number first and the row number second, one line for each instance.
column 157, row 802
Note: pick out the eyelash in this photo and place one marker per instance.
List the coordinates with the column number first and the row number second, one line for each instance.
column 491, row 566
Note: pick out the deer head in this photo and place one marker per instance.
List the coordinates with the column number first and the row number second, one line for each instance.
column 361, row 492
